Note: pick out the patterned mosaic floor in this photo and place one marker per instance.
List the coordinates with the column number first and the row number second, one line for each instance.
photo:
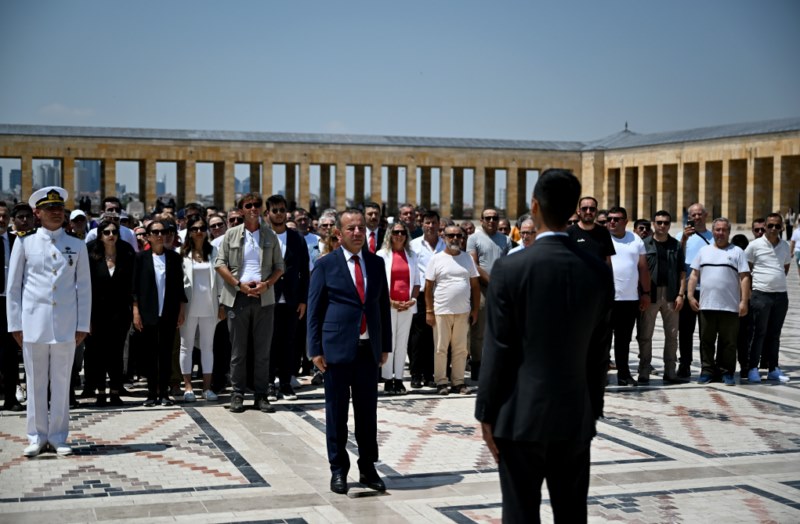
column 684, row 453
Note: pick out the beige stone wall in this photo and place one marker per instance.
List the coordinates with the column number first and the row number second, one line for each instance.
column 737, row 177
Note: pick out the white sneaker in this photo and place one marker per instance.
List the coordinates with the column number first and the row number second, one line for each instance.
column 22, row 395
column 62, row 449
column 34, row 449
column 210, row 395
column 188, row 396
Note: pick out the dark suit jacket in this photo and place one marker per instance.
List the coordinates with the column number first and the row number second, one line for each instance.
column 145, row 292
column 544, row 360
column 335, row 309
column 381, row 233
column 293, row 284
column 111, row 294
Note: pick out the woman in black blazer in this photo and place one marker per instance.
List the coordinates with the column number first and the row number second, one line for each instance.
column 158, row 309
column 111, row 268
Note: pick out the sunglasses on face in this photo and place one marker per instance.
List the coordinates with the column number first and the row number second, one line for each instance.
column 113, row 210
column 602, row 222
column 454, row 235
column 251, row 205
column 758, row 230
column 591, row 209
column 525, row 233
column 399, row 233
column 217, row 225
column 775, row 226
column 615, row 219
column 158, row 232
column 278, row 210
column 326, row 225
column 235, row 220
column 198, row 229
column 491, row 218
column 643, row 228
column 662, row 222
column 109, row 232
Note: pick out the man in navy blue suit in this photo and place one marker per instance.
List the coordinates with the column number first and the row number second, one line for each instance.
column 349, row 338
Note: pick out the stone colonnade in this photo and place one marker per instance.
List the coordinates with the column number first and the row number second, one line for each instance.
column 739, row 177
column 366, row 162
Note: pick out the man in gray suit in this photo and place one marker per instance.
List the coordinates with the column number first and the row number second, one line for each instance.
column 544, row 367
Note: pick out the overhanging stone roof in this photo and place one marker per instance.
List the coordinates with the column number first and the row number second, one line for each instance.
column 621, row 140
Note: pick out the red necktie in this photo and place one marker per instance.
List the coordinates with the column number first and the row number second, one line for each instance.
column 360, row 289
column 372, row 242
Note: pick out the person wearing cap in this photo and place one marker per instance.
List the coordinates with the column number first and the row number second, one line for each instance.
column 112, row 209
column 57, row 303
column 77, row 224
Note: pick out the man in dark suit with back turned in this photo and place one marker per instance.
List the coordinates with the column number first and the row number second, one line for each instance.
column 544, row 368
column 349, row 337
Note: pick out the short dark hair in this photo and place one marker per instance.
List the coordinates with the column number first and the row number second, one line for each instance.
column 193, row 205
column 740, row 241
column 250, row 196
column 113, row 200
column 372, row 205
column 587, row 197
column 619, row 209
column 775, row 215
column 167, row 224
column 662, row 213
column 430, row 214
column 756, row 220
column 348, row 211
column 557, row 192
column 641, row 222
column 275, row 200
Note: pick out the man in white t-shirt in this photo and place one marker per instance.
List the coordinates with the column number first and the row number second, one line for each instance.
column 630, row 274
column 769, row 258
column 723, row 299
column 452, row 295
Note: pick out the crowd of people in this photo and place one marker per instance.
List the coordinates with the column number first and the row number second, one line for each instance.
column 217, row 299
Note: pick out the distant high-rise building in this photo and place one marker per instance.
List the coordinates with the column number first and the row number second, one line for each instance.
column 161, row 186
column 46, row 175
column 14, row 179
column 87, row 173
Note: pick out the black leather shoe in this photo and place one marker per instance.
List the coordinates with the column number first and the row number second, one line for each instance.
column 675, row 380
column 16, row 406
column 339, row 483
column 262, row 403
column 626, row 381
column 684, row 371
column 372, row 481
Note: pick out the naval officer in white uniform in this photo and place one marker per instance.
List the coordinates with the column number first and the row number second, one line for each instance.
column 49, row 299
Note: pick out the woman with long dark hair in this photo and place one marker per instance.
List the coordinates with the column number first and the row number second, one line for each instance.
column 200, row 286
column 111, row 267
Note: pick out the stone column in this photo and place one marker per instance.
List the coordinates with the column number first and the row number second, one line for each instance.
column 108, row 177
column 458, row 193
column 26, row 168
column 411, row 184
column 375, row 182
column 291, row 178
column 645, row 197
column 324, row 187
column 445, row 200
column 341, row 186
column 512, row 192
column 68, row 178
column 255, row 175
column 781, row 198
column 266, row 175
column 480, row 177
column 750, row 200
column 302, row 195
column 147, row 182
column 358, row 184
column 391, row 195
column 224, row 184
column 186, row 182
column 425, row 186
column 727, row 201
column 627, row 187
column 611, row 189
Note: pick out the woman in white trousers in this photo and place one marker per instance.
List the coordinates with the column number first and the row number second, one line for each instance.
column 403, row 278
column 201, row 288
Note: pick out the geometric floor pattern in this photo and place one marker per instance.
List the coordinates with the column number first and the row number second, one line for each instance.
column 685, row 453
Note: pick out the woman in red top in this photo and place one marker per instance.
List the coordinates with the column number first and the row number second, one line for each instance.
column 403, row 277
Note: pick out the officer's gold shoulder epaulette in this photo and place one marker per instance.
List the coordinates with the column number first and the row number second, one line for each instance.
column 26, row 233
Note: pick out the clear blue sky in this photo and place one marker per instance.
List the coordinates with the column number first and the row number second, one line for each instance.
column 569, row 70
